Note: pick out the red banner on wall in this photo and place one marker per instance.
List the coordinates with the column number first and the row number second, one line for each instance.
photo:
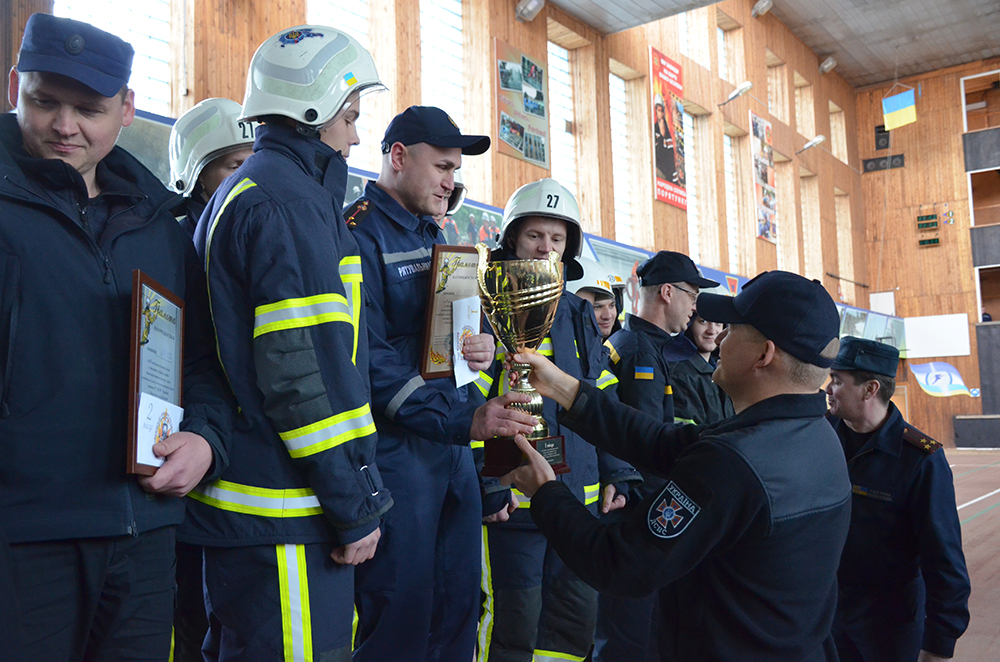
column 668, row 129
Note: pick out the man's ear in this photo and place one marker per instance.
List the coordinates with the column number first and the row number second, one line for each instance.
column 397, row 156
column 666, row 292
column 12, row 87
column 766, row 355
column 129, row 108
column 871, row 389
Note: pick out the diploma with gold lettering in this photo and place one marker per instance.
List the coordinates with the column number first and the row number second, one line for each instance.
column 156, row 361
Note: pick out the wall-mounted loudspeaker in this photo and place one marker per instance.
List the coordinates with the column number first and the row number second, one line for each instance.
column 881, row 137
column 885, row 163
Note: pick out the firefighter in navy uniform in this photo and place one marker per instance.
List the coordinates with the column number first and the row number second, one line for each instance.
column 904, row 586
column 207, row 144
column 302, row 500
column 90, row 564
column 535, row 607
column 697, row 399
column 418, row 599
column 744, row 540
column 642, row 354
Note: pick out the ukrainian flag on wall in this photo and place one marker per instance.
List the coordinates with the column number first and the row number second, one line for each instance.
column 939, row 379
column 899, row 110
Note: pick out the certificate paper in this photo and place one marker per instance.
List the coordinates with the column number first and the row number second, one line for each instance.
column 156, row 365
column 466, row 315
column 158, row 419
column 453, row 277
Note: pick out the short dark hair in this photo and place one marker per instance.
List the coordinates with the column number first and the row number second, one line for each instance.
column 886, row 385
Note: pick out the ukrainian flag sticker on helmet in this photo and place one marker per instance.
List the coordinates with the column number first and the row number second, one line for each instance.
column 350, row 79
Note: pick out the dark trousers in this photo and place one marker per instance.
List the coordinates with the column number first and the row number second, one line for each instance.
column 418, row 599
column 535, row 607
column 190, row 621
column 278, row 602
column 626, row 629
column 96, row 599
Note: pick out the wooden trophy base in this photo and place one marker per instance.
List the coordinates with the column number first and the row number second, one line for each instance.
column 503, row 456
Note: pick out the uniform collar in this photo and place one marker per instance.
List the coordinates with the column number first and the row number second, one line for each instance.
column 320, row 161
column 889, row 437
column 701, row 365
column 674, row 348
column 778, row 407
column 395, row 211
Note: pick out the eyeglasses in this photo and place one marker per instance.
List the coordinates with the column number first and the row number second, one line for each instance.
column 694, row 295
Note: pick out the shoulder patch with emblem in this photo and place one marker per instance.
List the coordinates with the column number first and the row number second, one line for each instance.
column 920, row 440
column 671, row 512
column 357, row 212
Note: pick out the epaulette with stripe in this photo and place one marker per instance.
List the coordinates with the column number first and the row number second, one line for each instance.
column 920, row 440
column 357, row 212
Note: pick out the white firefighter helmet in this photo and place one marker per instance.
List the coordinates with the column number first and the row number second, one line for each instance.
column 308, row 73
column 595, row 278
column 458, row 194
column 209, row 130
column 547, row 198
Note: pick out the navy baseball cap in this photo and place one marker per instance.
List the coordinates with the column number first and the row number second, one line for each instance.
column 796, row 313
column 670, row 267
column 78, row 50
column 868, row 355
column 427, row 124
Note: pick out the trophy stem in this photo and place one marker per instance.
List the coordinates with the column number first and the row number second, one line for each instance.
column 532, row 407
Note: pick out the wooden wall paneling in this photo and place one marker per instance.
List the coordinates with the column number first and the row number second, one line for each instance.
column 929, row 281
column 226, row 35
column 182, row 56
column 394, row 33
column 640, row 162
column 592, row 130
column 499, row 175
column 13, row 16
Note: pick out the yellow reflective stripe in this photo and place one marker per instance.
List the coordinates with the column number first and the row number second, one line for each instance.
column 523, row 501
column 487, row 619
column 330, row 432
column 484, row 383
column 576, row 347
column 239, row 188
column 554, row 656
column 614, row 352
column 354, row 628
column 293, row 586
column 686, row 421
column 475, row 444
column 303, row 311
column 260, row 501
column 668, row 390
column 606, row 379
column 351, row 276
column 545, row 349
column 591, row 493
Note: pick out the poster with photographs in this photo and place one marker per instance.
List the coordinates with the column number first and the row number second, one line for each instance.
column 522, row 104
column 762, row 154
column 668, row 129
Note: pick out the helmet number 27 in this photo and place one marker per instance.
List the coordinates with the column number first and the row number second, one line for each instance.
column 552, row 201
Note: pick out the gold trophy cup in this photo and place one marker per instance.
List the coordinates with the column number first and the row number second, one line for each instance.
column 520, row 298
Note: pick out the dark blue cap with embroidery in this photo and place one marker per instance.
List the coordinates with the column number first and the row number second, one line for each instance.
column 671, row 267
column 868, row 355
column 78, row 50
column 796, row 313
column 427, row 124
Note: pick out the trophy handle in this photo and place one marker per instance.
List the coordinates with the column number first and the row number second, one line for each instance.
column 484, row 259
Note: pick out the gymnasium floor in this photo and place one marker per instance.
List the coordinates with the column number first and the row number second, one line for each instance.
column 977, row 493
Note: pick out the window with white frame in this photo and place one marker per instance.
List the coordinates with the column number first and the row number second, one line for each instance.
column 620, row 168
column 723, row 54
column 691, row 184
column 146, row 26
column 442, row 70
column 682, row 34
column 351, row 16
column 562, row 152
column 731, row 224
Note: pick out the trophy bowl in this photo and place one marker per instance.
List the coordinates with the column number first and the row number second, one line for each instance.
column 520, row 298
